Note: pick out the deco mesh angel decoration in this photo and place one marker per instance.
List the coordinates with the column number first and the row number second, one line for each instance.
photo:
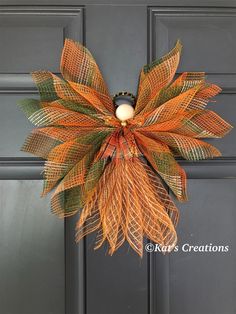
column 109, row 163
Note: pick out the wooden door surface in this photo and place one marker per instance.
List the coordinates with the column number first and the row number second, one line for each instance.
column 42, row 270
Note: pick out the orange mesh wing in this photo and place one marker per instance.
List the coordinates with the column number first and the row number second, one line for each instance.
column 79, row 66
column 155, row 76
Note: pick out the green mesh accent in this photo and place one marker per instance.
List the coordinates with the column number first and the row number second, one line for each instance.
column 164, row 162
column 94, row 174
column 168, row 93
column 47, row 91
column 81, row 108
column 29, row 106
column 97, row 137
column 71, row 200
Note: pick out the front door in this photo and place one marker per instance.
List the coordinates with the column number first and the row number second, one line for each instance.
column 42, row 270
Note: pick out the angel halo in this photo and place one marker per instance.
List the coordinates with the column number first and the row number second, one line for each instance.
column 99, row 158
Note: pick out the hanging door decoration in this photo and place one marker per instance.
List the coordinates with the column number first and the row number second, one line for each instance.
column 107, row 157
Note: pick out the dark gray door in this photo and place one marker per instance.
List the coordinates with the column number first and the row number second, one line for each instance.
column 42, row 271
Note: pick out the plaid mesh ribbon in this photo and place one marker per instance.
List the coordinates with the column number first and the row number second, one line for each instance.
column 109, row 171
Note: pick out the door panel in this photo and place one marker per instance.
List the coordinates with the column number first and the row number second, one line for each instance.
column 31, row 39
column 120, row 286
column 33, row 246
column 207, row 36
column 209, row 31
column 37, row 34
column 14, row 126
column 205, row 282
column 32, row 270
column 201, row 282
